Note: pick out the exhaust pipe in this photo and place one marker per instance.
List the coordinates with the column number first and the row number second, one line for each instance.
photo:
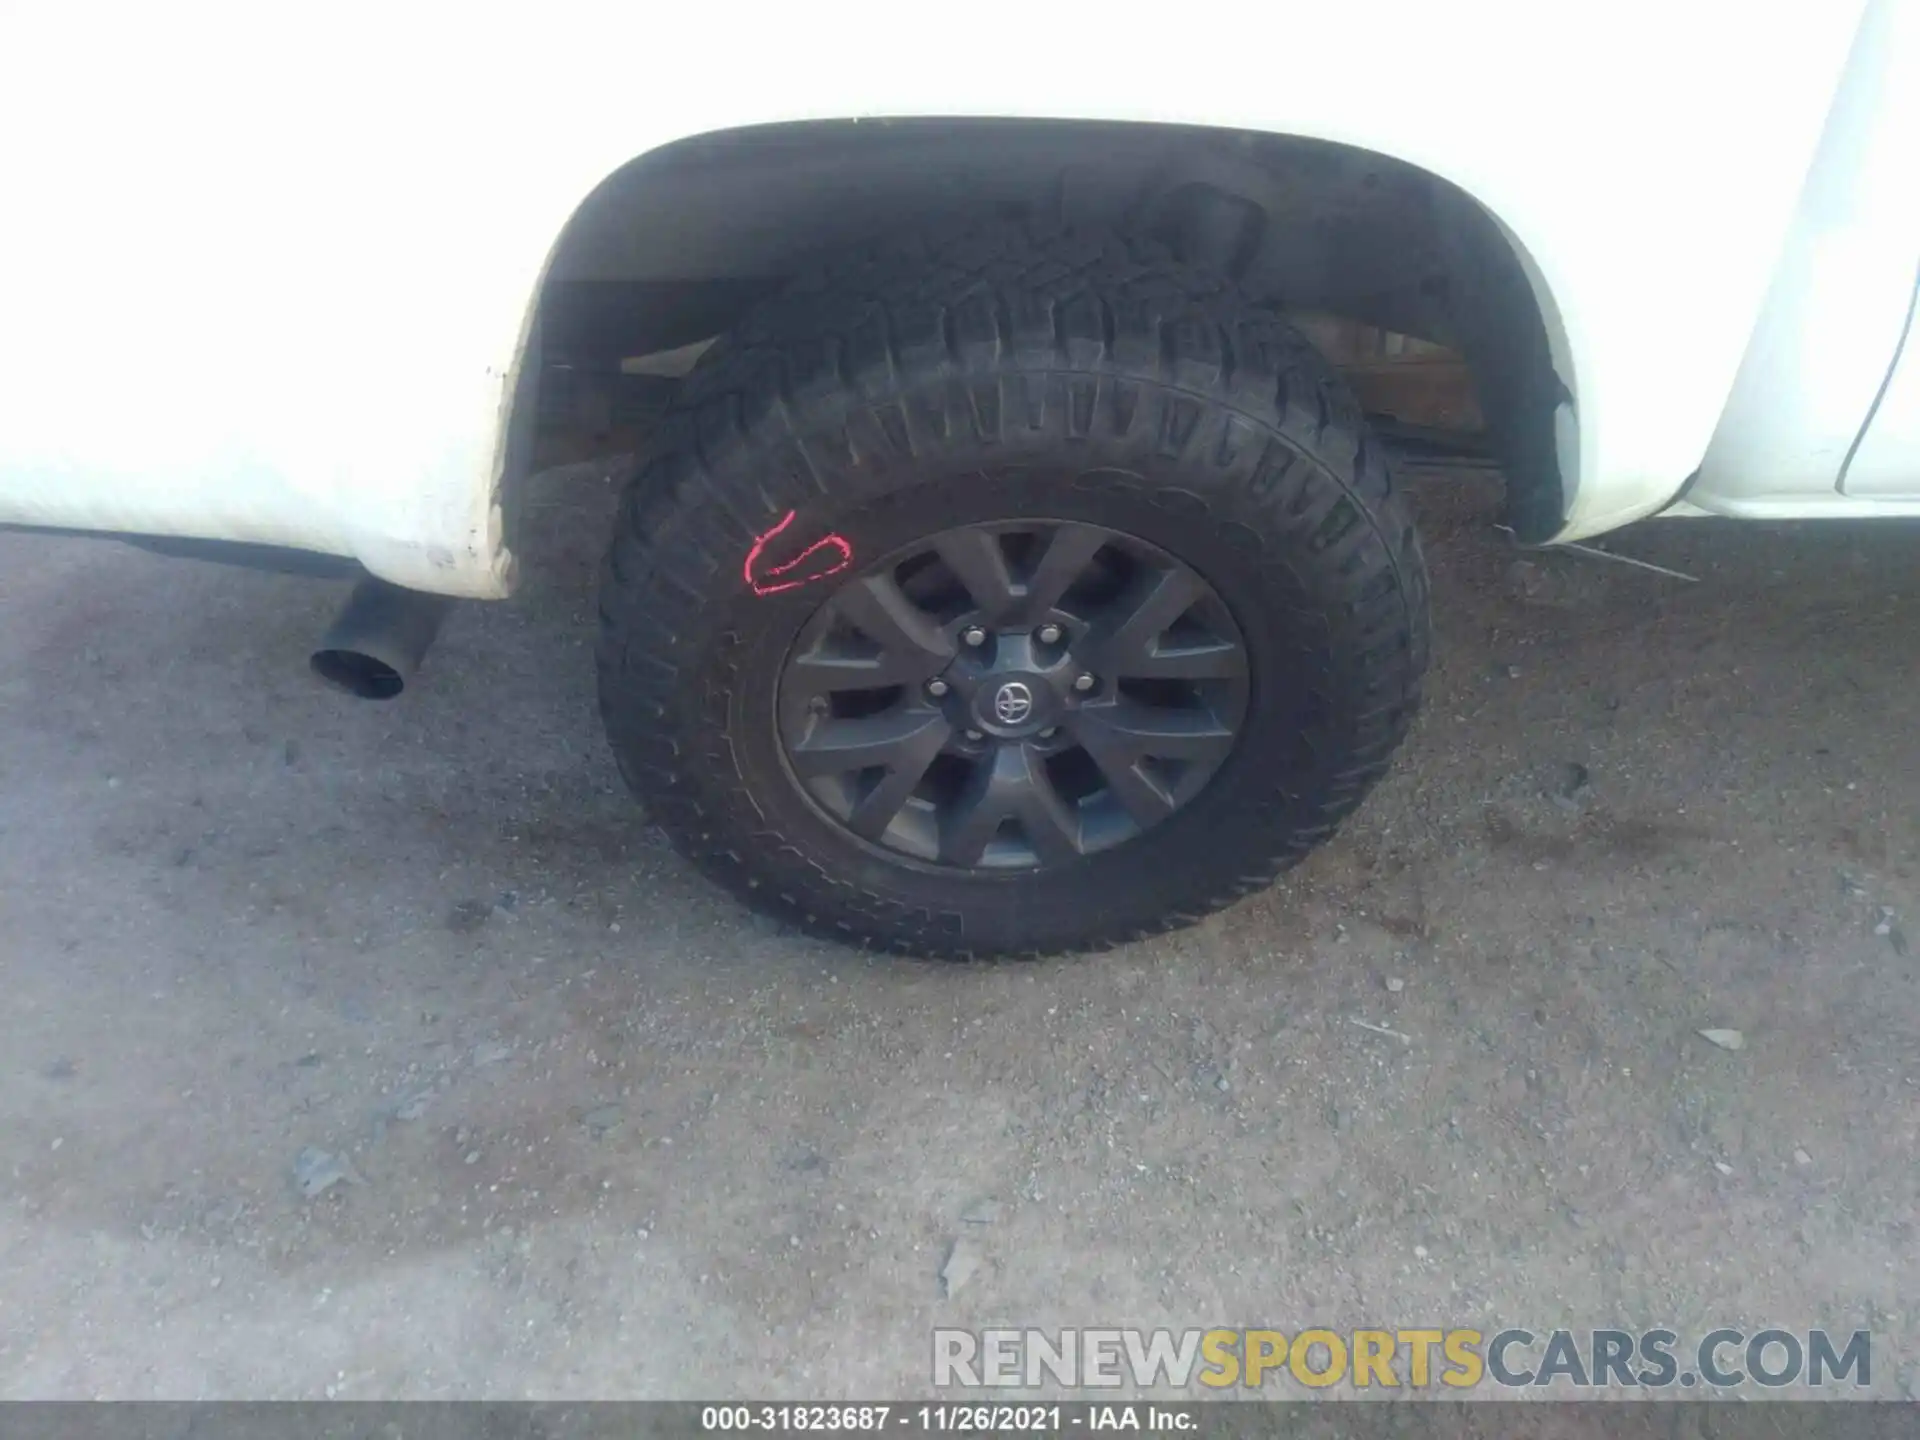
column 375, row 646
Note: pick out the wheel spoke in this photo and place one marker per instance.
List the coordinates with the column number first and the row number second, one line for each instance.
column 1119, row 765
column 875, row 811
column 1010, row 784
column 894, row 738
column 1070, row 549
column 976, row 557
column 1052, row 827
column 1124, row 639
column 974, row 817
column 1206, row 659
column 1128, row 727
column 823, row 673
column 911, row 643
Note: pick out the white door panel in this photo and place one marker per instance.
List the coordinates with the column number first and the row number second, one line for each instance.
column 1887, row 464
column 1833, row 317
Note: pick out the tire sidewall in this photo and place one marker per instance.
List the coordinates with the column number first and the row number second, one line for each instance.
column 1289, row 733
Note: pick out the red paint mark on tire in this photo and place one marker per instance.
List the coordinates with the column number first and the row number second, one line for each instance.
column 828, row 556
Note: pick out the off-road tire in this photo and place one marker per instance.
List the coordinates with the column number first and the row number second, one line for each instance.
column 1016, row 371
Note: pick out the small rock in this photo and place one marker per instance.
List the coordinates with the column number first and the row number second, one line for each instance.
column 1725, row 1039
column 1800, row 1157
column 1723, row 1167
column 1395, row 985
column 1223, row 1085
column 472, row 1158
column 602, row 1118
column 60, row 1068
column 412, row 1107
column 468, row 916
column 963, row 1262
column 984, row 1211
column 491, row 1052
column 1419, row 1252
column 508, row 900
column 58, row 1141
column 316, row 1171
column 1576, row 784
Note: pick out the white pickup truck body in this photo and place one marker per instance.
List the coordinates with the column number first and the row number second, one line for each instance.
column 274, row 279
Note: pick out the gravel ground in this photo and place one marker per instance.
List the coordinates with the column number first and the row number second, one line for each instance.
column 575, row 1124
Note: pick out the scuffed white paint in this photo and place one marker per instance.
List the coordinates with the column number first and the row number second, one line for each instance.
column 266, row 272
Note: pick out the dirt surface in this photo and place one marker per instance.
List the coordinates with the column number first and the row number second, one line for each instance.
column 580, row 1126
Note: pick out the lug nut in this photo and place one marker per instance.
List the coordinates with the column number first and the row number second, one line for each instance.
column 936, row 688
column 1049, row 634
column 975, row 735
column 973, row 635
column 1084, row 683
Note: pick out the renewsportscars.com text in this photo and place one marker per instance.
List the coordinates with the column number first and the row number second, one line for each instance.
column 1393, row 1358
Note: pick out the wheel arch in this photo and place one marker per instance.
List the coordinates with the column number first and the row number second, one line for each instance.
column 671, row 247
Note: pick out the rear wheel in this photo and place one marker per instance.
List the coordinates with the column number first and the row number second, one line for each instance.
column 1021, row 593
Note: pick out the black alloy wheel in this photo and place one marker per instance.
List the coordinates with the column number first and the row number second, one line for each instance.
column 1013, row 695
